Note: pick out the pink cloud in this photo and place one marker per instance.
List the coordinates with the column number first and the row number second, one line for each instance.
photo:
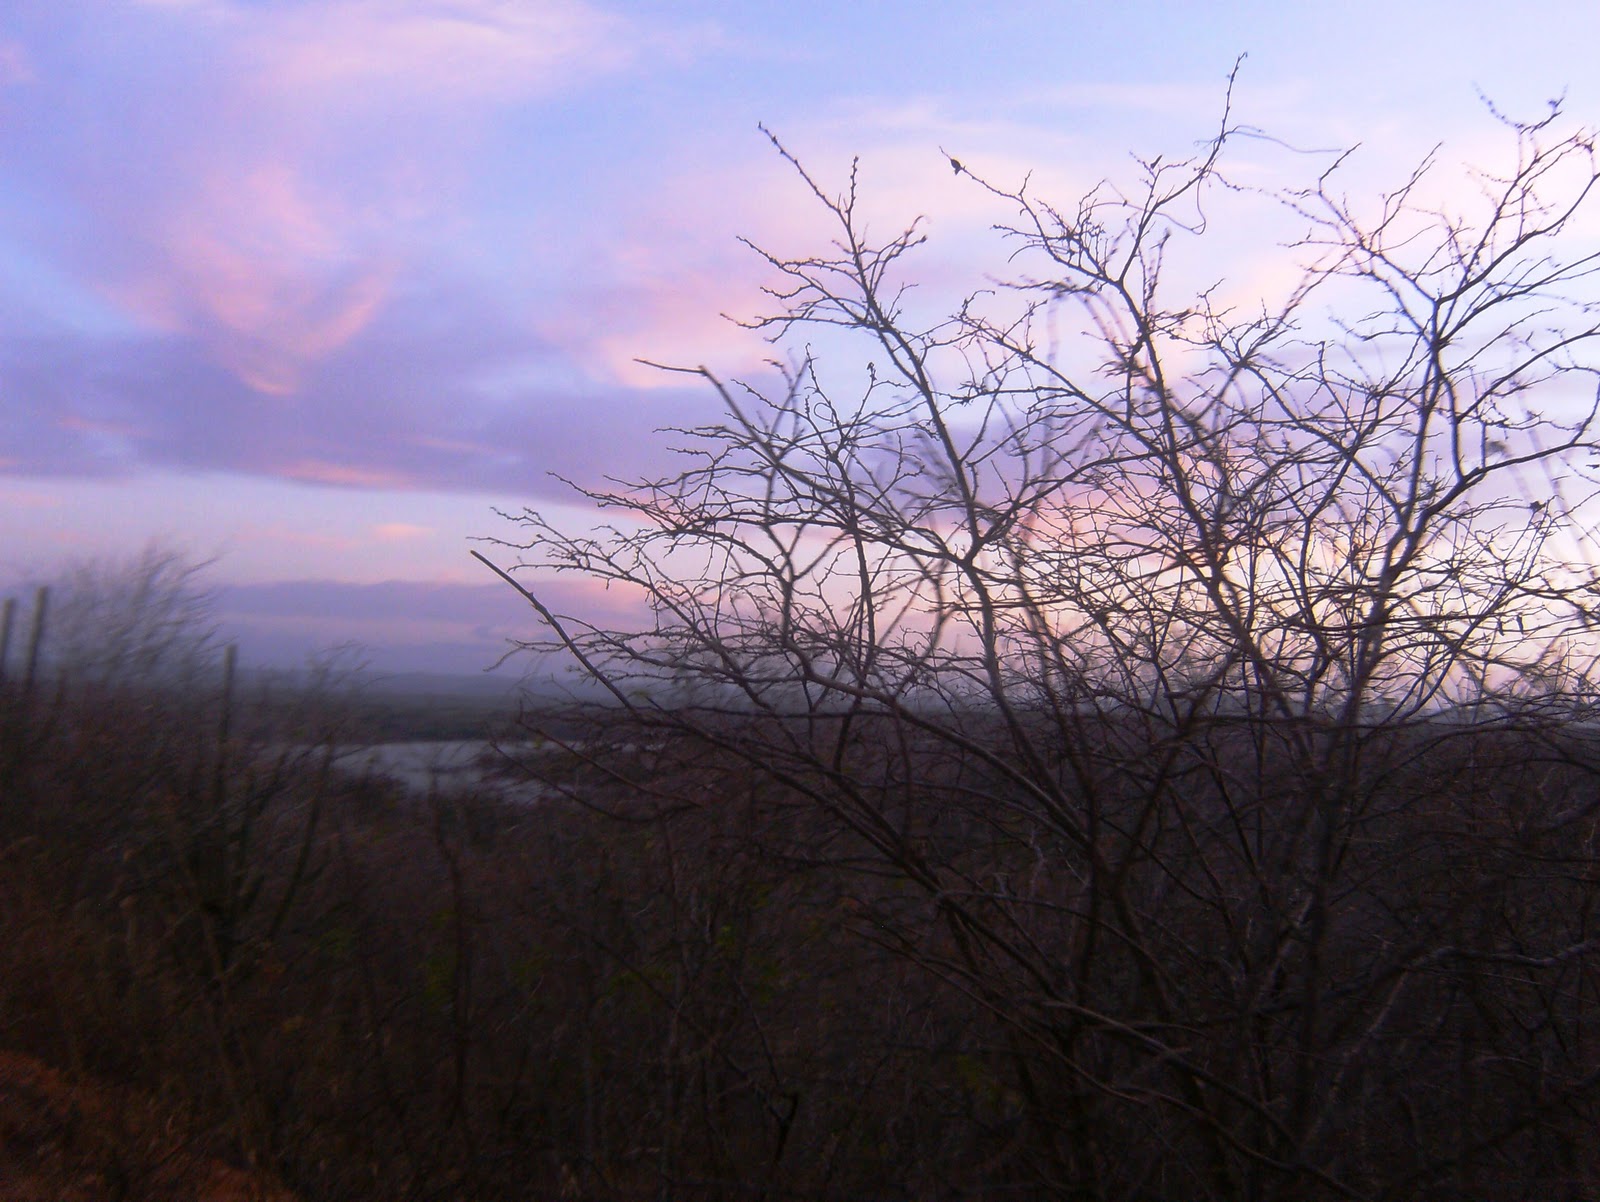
column 323, row 143
column 400, row 532
column 677, row 265
column 266, row 269
column 573, row 597
column 16, row 67
column 318, row 471
column 285, row 194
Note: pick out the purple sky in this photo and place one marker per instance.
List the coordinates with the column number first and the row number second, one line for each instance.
column 313, row 286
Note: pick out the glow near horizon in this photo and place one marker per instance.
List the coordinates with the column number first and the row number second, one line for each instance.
column 252, row 249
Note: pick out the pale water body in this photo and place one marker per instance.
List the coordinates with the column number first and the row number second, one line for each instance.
column 448, row 766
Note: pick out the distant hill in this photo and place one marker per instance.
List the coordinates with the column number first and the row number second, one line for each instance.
column 425, row 706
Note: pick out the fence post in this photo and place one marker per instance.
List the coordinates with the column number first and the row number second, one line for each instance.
column 17, row 730
column 7, row 616
column 41, row 602
column 230, row 655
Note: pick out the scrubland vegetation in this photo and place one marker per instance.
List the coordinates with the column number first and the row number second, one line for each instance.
column 1161, row 768
column 677, row 976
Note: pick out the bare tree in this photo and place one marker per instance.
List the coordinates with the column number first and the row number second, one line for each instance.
column 1205, row 698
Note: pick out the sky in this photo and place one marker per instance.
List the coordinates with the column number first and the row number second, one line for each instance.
column 318, row 289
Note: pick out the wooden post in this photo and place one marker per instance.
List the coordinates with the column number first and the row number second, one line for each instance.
column 41, row 602
column 230, row 655
column 7, row 616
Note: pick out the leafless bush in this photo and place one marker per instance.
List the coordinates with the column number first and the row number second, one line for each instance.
column 1206, row 702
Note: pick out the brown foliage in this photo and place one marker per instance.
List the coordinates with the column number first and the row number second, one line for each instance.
column 86, row 1141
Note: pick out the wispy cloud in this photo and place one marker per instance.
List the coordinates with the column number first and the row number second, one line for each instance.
column 264, row 185
column 430, row 50
column 339, row 138
column 274, row 197
column 315, row 471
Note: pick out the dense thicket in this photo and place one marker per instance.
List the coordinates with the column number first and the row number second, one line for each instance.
column 678, row 977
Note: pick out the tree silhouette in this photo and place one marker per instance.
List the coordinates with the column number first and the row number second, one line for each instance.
column 1205, row 698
